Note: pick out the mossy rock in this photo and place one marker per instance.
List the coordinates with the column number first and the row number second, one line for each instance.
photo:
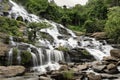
column 63, row 31
column 47, row 36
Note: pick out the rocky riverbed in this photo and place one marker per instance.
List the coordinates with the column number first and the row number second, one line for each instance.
column 108, row 69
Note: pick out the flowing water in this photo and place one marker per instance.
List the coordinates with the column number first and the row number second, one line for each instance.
column 62, row 37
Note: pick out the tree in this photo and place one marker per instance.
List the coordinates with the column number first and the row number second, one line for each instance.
column 112, row 26
column 34, row 27
column 97, row 9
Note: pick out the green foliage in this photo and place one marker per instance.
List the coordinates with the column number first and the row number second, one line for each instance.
column 52, row 12
column 76, row 28
column 68, row 75
column 112, row 3
column 62, row 48
column 15, row 53
column 46, row 36
column 94, row 26
column 36, row 6
column 97, row 9
column 112, row 26
column 34, row 27
column 25, row 57
column 9, row 26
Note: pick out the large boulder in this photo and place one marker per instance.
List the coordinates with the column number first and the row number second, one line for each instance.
column 11, row 71
column 80, row 55
column 115, row 53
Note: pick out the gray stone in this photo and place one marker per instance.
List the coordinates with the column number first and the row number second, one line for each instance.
column 11, row 71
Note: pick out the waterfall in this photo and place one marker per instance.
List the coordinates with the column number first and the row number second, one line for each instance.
column 19, row 57
column 10, row 57
column 96, row 48
column 34, row 57
column 12, row 43
column 47, row 58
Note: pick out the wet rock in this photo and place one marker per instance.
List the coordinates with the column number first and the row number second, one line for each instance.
column 5, row 13
column 111, row 69
column 71, row 65
column 62, row 62
column 44, row 78
column 57, row 76
column 99, row 68
column 108, row 76
column 11, row 71
column 109, row 59
column 82, row 67
column 115, row 53
column 92, row 76
column 80, row 55
column 63, row 68
column 23, row 46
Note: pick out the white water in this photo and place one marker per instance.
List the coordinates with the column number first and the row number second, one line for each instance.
column 96, row 48
column 10, row 57
column 48, row 58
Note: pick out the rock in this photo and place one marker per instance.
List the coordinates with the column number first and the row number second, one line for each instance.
column 75, row 69
column 118, row 64
column 3, row 49
column 44, row 78
column 71, row 65
column 80, row 55
column 62, row 62
column 110, row 66
column 108, row 76
column 99, row 35
column 96, row 63
column 115, row 53
column 23, row 46
column 92, row 76
column 57, row 76
column 82, row 67
column 11, row 71
column 63, row 68
column 111, row 69
column 99, row 68
column 109, row 59
column 5, row 13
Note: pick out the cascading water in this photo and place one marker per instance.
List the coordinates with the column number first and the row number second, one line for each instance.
column 10, row 56
column 96, row 48
column 48, row 58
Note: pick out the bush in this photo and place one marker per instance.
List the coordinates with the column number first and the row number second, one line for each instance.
column 15, row 53
column 68, row 75
column 9, row 26
column 25, row 57
column 112, row 27
column 62, row 48
column 92, row 26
